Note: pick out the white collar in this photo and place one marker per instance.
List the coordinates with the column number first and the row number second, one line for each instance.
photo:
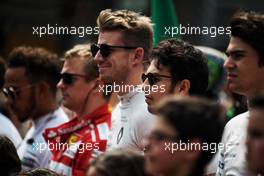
column 126, row 99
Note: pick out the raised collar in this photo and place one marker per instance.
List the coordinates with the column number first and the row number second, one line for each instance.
column 126, row 99
column 99, row 112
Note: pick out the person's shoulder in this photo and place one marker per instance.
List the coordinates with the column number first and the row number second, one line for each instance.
column 238, row 121
column 8, row 129
column 4, row 120
column 58, row 117
column 6, row 125
column 236, row 127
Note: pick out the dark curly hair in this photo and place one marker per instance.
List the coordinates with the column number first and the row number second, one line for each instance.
column 39, row 63
column 184, row 62
column 249, row 26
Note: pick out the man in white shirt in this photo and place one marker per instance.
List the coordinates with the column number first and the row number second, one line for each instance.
column 125, row 39
column 245, row 76
column 30, row 86
column 176, row 68
column 9, row 130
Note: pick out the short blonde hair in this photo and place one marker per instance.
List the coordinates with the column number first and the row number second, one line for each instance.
column 137, row 29
column 90, row 68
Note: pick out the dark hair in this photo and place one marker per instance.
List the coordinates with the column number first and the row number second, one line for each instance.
column 249, row 26
column 184, row 62
column 39, row 63
column 38, row 172
column 257, row 101
column 2, row 72
column 9, row 161
column 119, row 163
column 194, row 118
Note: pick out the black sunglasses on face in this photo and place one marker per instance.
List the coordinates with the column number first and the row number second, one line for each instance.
column 105, row 50
column 13, row 92
column 153, row 78
column 68, row 78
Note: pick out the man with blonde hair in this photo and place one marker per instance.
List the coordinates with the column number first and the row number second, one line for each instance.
column 124, row 43
column 85, row 136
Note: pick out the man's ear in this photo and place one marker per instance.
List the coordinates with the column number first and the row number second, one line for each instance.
column 138, row 56
column 42, row 88
column 182, row 88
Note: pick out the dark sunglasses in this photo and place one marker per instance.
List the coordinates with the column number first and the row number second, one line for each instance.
column 153, row 78
column 13, row 92
column 68, row 78
column 105, row 50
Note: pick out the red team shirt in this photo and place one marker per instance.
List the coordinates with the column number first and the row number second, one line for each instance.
column 75, row 143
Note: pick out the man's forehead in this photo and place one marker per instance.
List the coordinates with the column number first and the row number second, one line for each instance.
column 234, row 47
column 152, row 67
column 236, row 44
column 16, row 75
column 75, row 61
column 110, row 37
column 74, row 64
column 155, row 68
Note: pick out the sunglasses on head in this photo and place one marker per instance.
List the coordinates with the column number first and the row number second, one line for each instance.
column 68, row 78
column 153, row 78
column 13, row 92
column 105, row 50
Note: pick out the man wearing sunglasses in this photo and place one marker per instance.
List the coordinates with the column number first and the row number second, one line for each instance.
column 176, row 68
column 30, row 87
column 7, row 128
column 85, row 136
column 125, row 38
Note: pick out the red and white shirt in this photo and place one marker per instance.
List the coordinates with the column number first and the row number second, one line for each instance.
column 75, row 143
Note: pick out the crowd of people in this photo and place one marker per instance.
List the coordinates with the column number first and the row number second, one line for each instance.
column 163, row 122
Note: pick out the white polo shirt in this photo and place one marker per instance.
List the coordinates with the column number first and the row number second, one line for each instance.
column 33, row 152
column 8, row 129
column 130, row 122
column 231, row 159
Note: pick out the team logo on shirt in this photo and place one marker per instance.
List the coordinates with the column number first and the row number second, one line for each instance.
column 73, row 139
column 52, row 134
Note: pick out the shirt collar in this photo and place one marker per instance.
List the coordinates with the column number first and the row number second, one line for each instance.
column 43, row 119
column 126, row 99
column 99, row 112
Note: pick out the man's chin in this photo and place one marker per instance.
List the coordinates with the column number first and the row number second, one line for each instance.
column 235, row 89
column 66, row 105
column 150, row 109
column 106, row 79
